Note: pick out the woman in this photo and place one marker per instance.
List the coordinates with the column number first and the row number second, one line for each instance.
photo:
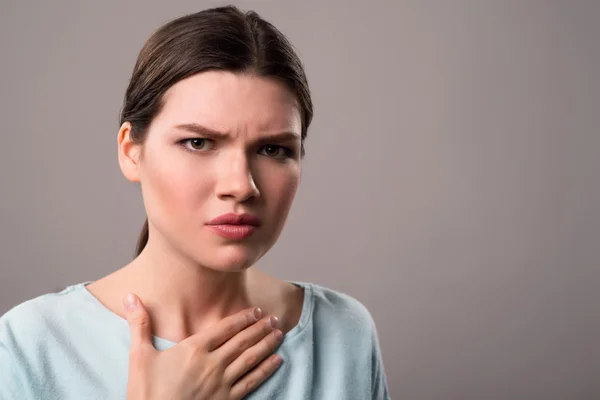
column 213, row 126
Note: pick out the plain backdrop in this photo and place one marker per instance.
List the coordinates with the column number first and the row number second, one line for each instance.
column 450, row 182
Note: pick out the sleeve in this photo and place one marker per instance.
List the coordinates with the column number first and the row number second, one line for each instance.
column 379, row 388
column 10, row 386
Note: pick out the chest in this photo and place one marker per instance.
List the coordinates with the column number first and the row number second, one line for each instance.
column 312, row 369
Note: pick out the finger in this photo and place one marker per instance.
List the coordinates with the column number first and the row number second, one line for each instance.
column 138, row 320
column 252, row 356
column 247, row 338
column 256, row 377
column 225, row 329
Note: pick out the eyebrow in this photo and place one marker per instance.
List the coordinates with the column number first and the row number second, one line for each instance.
column 213, row 134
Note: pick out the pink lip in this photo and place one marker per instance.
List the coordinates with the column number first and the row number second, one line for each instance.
column 233, row 231
column 235, row 219
column 234, row 226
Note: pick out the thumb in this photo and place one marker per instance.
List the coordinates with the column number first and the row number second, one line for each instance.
column 138, row 320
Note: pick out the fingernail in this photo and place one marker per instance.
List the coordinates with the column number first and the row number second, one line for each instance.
column 257, row 313
column 277, row 361
column 130, row 302
column 273, row 321
column 278, row 334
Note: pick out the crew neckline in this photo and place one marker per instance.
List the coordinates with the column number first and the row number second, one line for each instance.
column 163, row 344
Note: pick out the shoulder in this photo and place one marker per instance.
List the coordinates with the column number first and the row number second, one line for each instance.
column 339, row 311
column 34, row 319
column 33, row 338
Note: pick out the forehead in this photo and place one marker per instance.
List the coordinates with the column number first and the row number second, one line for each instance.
column 228, row 101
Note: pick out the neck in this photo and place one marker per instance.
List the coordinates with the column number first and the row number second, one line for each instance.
column 183, row 297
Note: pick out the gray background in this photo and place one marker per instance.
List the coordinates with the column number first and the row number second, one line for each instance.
column 450, row 182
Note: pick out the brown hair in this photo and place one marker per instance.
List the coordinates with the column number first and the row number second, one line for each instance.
column 222, row 38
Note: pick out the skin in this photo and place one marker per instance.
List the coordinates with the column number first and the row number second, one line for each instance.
column 188, row 277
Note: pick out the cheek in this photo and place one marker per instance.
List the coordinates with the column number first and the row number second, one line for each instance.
column 280, row 190
column 172, row 192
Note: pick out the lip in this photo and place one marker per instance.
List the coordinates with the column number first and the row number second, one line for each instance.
column 236, row 232
column 235, row 219
column 234, row 226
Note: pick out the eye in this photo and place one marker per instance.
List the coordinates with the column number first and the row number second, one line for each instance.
column 277, row 152
column 196, row 144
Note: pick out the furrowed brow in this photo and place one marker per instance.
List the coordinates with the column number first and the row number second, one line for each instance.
column 211, row 133
column 201, row 130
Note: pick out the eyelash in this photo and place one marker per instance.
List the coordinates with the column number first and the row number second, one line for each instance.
column 289, row 153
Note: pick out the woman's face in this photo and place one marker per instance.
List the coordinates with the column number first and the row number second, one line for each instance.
column 222, row 143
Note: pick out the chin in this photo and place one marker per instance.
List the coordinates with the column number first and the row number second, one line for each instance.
column 232, row 259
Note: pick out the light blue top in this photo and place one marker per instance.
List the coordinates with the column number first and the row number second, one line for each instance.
column 68, row 345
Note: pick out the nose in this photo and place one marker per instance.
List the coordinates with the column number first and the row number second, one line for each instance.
column 234, row 178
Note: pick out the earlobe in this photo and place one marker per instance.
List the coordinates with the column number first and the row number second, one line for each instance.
column 128, row 153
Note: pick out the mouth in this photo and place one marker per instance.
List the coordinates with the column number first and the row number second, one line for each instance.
column 233, row 231
column 234, row 226
column 235, row 219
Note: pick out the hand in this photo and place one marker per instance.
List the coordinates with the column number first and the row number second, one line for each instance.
column 225, row 362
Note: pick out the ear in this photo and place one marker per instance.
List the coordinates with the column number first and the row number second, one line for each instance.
column 129, row 153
